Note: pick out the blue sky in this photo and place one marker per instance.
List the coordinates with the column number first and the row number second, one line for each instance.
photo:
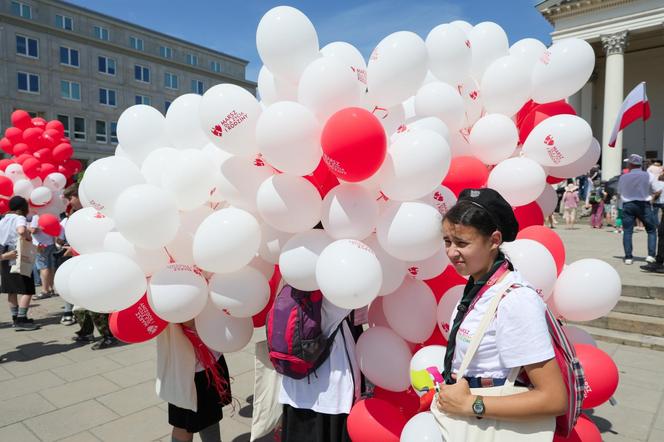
column 231, row 26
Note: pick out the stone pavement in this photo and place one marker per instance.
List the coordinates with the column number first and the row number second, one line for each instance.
column 53, row 389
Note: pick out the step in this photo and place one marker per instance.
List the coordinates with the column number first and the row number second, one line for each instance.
column 624, row 338
column 640, row 306
column 627, row 322
column 647, row 292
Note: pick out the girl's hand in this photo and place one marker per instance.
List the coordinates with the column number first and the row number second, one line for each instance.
column 456, row 399
column 10, row 255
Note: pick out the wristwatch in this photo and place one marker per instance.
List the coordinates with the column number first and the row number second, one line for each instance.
column 478, row 407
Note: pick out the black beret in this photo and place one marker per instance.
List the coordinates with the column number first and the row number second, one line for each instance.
column 496, row 206
column 17, row 203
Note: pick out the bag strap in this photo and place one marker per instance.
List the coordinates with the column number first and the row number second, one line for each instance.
column 481, row 329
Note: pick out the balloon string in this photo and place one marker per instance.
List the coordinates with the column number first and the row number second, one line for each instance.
column 170, row 257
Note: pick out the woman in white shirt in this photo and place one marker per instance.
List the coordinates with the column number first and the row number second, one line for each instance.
column 518, row 335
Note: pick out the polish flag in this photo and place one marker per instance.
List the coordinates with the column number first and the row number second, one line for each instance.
column 634, row 107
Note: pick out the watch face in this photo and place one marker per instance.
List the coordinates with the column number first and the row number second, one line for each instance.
column 478, row 407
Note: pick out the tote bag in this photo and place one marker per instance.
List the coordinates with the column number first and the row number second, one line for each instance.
column 25, row 260
column 471, row 429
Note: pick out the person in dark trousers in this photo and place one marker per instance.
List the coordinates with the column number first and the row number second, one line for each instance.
column 658, row 198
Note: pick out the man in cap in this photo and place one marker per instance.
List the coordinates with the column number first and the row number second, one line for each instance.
column 634, row 190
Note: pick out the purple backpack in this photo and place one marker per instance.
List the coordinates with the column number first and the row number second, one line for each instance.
column 295, row 340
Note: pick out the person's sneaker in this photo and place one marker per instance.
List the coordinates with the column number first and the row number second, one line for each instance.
column 651, row 267
column 25, row 324
column 104, row 343
column 628, row 261
column 83, row 338
column 650, row 259
column 42, row 295
column 67, row 320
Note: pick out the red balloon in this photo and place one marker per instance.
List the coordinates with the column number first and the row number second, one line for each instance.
column 529, row 215
column 354, row 144
column 372, row 420
column 50, row 138
column 6, row 186
column 6, row 146
column 73, row 167
column 21, row 119
column 4, row 206
column 601, row 374
column 585, row 430
column 20, row 149
column 466, row 173
column 323, row 179
column 50, row 224
column 31, row 167
column 44, row 155
column 14, row 135
column 4, row 163
column 259, row 318
column 39, row 122
column 554, row 180
column 21, row 158
column 32, row 137
column 57, row 126
column 408, row 402
column 549, row 239
column 525, row 110
column 436, row 338
column 46, row 169
column 62, row 152
column 138, row 323
column 541, row 112
column 445, row 281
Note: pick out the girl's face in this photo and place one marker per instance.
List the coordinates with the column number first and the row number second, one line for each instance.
column 470, row 252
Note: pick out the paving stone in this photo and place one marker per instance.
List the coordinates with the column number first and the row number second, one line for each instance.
column 134, row 374
column 5, row 375
column 84, row 436
column 83, row 369
column 132, row 399
column 241, row 362
column 145, row 425
column 70, row 420
column 647, row 360
column 28, row 384
column 634, row 376
column 131, row 355
column 659, row 418
column 22, row 368
column 79, row 391
column 23, row 407
column 656, row 436
column 17, row 432
column 623, row 421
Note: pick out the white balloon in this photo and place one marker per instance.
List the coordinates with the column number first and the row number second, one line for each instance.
column 289, row 203
column 548, row 200
column 586, row 289
column 442, row 101
column 447, row 308
column 505, row 85
column 177, row 293
column 147, row 216
column 488, row 42
column 180, row 249
column 459, row 143
column 241, row 294
column 62, row 277
column 519, row 180
column 272, row 241
column 190, row 178
column 473, row 100
column 529, row 50
column 463, row 25
column 392, row 119
column 349, row 211
column 155, row 163
column 411, row 231
column 226, row 241
column 299, row 256
column 327, row 86
column 262, row 266
column 562, row 70
column 493, row 138
column 140, row 129
column 384, row 358
column 411, row 311
column 441, row 198
column 216, row 155
column 86, row 228
column 449, row 53
column 183, row 126
column 287, row 42
column 394, row 270
column 349, row 56
column 105, row 179
column 240, row 179
column 222, row 332
column 421, row 427
column 288, row 136
column 41, row 196
column 558, row 141
column 416, row 164
column 228, row 116
column 272, row 89
column 535, row 263
column 349, row 274
column 15, row 172
column 148, row 260
column 55, row 181
column 580, row 166
column 431, row 267
column 427, row 123
column 105, row 282
column 396, row 68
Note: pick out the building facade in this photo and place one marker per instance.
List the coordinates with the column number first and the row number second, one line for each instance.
column 628, row 39
column 58, row 60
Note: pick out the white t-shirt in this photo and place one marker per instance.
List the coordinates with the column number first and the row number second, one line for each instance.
column 658, row 186
column 63, row 224
column 331, row 389
column 517, row 336
column 39, row 237
column 8, row 225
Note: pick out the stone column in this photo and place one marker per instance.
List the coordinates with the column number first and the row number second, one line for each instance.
column 614, row 47
column 586, row 111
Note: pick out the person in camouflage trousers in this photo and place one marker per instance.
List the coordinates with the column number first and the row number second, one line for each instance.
column 88, row 321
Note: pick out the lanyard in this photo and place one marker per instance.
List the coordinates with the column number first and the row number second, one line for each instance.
column 497, row 276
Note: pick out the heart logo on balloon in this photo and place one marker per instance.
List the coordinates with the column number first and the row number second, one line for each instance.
column 438, row 196
column 549, row 140
column 217, row 130
column 467, row 43
column 546, row 57
column 258, row 161
column 473, row 95
column 402, row 128
column 413, row 271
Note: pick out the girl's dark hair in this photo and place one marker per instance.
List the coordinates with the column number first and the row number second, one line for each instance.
column 19, row 204
column 468, row 214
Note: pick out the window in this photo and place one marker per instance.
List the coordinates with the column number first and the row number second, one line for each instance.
column 114, row 132
column 28, row 47
column 197, row 87
column 107, row 97
column 21, row 9
column 166, row 52
column 170, row 80
column 64, row 22
column 79, row 128
column 142, row 99
column 141, row 73
column 28, row 82
column 69, row 56
column 106, row 65
column 70, row 90
column 215, row 66
column 101, row 33
column 167, row 104
column 100, row 131
column 192, row 59
column 136, row 43
column 64, row 119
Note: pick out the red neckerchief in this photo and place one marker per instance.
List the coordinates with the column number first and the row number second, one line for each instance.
column 207, row 360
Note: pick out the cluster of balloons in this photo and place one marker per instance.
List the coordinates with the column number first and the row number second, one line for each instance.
column 39, row 165
column 190, row 217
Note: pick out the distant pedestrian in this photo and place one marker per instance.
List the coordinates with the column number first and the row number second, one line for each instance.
column 658, row 198
column 570, row 203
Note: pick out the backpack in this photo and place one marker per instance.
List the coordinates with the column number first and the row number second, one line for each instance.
column 296, row 343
